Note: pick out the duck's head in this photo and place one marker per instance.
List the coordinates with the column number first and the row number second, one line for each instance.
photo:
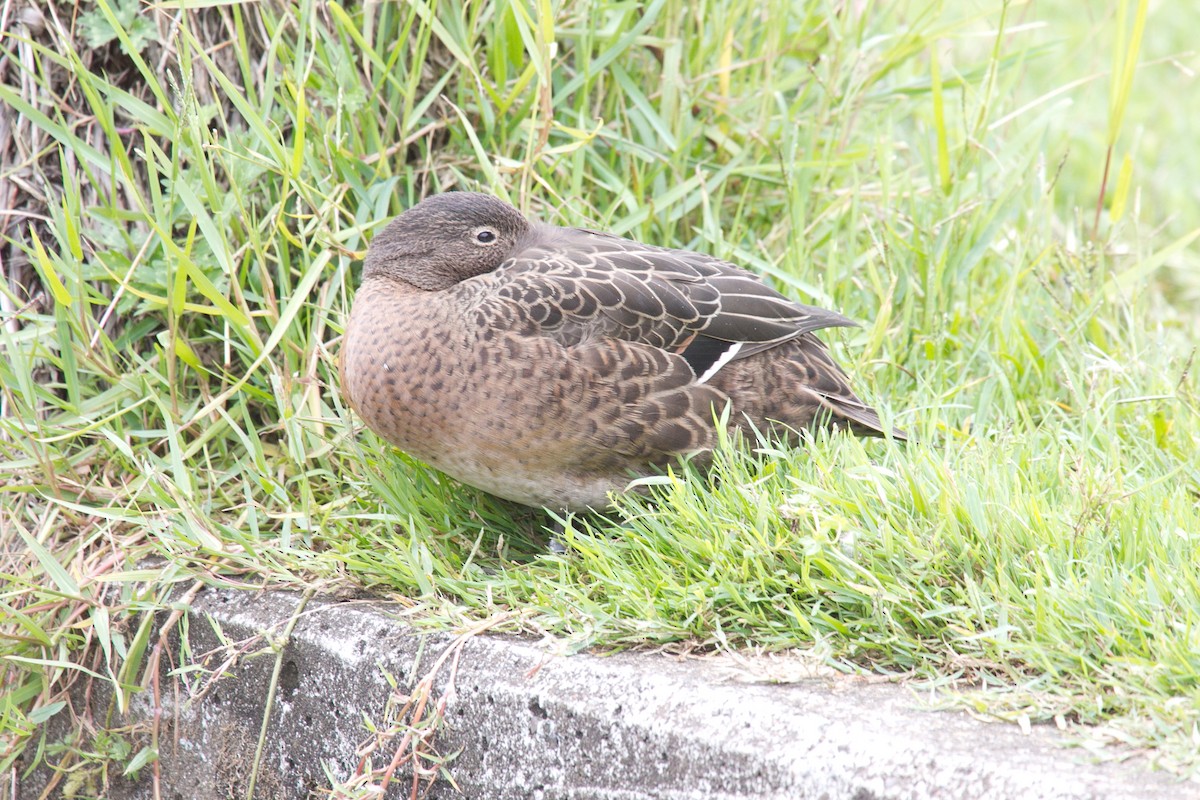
column 444, row 239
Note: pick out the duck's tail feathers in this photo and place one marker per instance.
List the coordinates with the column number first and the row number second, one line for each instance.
column 860, row 418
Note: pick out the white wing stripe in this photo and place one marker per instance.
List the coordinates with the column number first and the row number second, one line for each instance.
column 725, row 358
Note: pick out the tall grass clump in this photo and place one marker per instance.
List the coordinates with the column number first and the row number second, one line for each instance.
column 188, row 191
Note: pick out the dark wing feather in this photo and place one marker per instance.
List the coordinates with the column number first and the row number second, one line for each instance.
column 703, row 353
column 578, row 286
column 751, row 311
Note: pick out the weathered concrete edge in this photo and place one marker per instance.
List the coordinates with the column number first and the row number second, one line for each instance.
column 533, row 725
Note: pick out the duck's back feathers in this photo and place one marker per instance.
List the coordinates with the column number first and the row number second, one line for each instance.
column 579, row 285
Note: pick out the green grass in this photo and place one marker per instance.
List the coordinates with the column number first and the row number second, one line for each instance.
column 184, row 229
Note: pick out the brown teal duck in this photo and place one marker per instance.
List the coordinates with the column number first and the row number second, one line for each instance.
column 551, row 365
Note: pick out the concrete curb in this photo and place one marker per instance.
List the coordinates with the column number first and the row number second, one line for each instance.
column 531, row 725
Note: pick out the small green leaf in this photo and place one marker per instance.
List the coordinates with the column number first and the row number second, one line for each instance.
column 1121, row 193
column 61, row 578
column 61, row 295
column 99, row 29
column 44, row 713
column 939, row 122
column 103, row 630
column 144, row 756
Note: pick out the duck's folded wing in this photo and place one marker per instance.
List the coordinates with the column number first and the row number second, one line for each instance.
column 581, row 286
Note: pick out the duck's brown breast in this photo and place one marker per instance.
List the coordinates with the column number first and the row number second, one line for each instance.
column 489, row 405
column 396, row 364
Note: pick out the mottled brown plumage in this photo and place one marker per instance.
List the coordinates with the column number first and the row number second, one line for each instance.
column 552, row 365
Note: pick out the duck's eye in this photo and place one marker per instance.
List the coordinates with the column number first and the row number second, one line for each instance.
column 485, row 236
